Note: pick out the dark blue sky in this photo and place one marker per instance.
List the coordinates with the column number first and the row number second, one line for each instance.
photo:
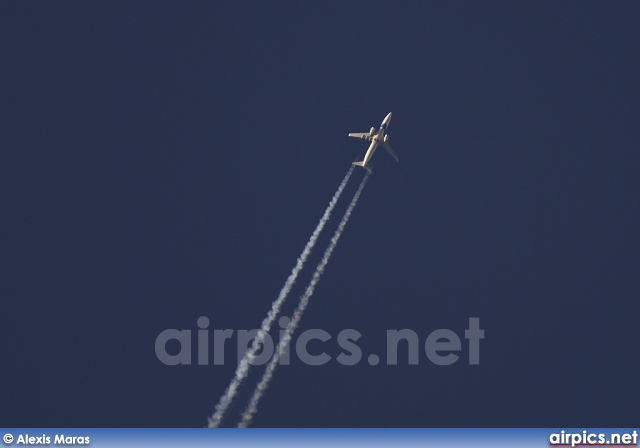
column 163, row 161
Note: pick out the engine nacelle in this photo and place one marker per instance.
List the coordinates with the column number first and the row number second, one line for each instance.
column 372, row 131
column 386, row 138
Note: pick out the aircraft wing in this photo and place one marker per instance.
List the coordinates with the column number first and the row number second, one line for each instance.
column 364, row 135
column 389, row 150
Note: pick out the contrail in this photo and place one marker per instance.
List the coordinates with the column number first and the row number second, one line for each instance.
column 248, row 414
column 244, row 364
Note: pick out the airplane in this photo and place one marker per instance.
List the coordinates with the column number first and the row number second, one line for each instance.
column 376, row 138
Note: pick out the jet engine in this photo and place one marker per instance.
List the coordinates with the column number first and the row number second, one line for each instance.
column 386, row 138
column 372, row 131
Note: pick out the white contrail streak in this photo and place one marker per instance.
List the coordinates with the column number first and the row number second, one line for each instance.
column 244, row 364
column 248, row 414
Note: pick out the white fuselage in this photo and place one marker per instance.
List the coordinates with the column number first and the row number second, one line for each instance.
column 375, row 139
column 372, row 147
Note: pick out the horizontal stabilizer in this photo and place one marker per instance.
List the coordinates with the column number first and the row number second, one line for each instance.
column 363, row 166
